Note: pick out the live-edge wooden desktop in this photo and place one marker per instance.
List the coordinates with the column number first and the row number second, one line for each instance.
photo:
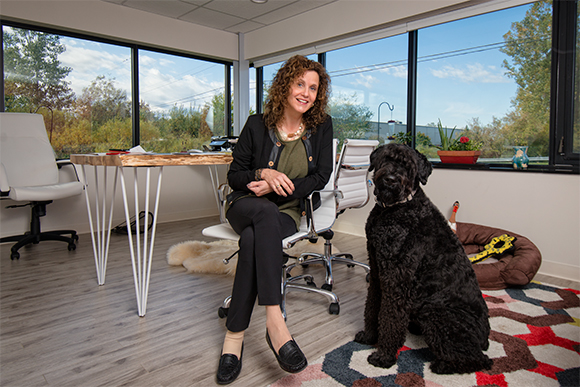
column 142, row 257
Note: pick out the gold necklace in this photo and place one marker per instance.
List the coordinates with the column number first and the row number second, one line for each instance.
column 292, row 136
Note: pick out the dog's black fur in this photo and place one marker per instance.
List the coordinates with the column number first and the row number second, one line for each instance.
column 420, row 276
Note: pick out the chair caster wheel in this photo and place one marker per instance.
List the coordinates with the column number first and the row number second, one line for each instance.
column 223, row 312
column 14, row 255
column 368, row 277
column 311, row 283
column 327, row 287
column 334, row 308
column 72, row 246
column 349, row 265
column 76, row 238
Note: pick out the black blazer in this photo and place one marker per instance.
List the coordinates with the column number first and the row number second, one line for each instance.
column 257, row 147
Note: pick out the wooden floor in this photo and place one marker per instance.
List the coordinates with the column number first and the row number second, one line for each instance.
column 59, row 328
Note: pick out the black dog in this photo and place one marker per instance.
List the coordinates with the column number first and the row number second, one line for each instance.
column 420, row 276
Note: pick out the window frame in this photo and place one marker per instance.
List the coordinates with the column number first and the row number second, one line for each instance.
column 564, row 23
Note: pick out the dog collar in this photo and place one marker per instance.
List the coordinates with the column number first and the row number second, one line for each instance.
column 407, row 199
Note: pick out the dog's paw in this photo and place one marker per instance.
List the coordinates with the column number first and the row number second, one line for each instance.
column 363, row 337
column 380, row 360
column 442, row 367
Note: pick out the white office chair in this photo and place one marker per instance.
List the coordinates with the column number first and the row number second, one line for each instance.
column 322, row 220
column 29, row 173
column 353, row 184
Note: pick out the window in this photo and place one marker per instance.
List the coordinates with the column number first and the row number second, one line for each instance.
column 83, row 87
column 369, row 89
column 80, row 86
column 181, row 102
column 489, row 78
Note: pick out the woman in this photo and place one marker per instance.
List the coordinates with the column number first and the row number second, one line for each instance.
column 280, row 158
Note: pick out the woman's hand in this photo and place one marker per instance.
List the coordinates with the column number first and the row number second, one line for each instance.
column 277, row 182
column 260, row 188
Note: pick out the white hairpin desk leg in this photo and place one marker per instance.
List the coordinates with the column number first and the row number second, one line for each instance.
column 102, row 237
column 142, row 258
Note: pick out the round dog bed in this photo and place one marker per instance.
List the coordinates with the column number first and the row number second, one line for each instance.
column 511, row 269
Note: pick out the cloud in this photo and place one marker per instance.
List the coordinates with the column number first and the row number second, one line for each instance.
column 471, row 73
column 364, row 80
column 87, row 63
column 396, row 71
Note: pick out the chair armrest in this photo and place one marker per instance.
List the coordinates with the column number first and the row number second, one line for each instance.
column 223, row 191
column 4, row 185
column 63, row 162
column 311, row 211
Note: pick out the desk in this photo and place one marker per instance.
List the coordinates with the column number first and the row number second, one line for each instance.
column 142, row 257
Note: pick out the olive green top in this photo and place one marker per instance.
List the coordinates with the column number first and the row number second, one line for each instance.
column 293, row 163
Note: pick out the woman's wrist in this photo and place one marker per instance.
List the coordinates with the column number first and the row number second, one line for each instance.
column 258, row 174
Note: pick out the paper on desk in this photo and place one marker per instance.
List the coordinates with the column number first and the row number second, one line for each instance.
column 139, row 150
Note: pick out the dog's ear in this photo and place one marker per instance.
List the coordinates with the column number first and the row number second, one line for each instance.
column 374, row 158
column 424, row 167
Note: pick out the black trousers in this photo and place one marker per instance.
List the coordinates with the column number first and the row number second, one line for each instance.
column 261, row 227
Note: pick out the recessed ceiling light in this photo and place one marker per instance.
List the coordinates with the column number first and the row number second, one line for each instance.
column 259, row 1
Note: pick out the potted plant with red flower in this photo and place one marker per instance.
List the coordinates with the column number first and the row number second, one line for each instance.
column 459, row 150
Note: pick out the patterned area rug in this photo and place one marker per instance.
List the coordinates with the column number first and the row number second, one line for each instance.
column 534, row 341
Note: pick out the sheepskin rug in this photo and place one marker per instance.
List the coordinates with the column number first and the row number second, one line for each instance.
column 207, row 257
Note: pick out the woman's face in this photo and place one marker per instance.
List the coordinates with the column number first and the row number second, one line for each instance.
column 303, row 92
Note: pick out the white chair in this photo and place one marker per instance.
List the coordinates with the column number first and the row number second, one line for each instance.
column 322, row 220
column 353, row 184
column 29, row 173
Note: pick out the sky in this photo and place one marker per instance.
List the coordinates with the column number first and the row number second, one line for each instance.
column 460, row 73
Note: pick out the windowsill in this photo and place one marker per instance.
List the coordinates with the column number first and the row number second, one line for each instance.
column 564, row 169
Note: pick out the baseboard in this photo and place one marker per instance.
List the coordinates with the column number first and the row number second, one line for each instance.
column 560, row 270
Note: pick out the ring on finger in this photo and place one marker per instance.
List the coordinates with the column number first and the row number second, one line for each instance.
column 277, row 185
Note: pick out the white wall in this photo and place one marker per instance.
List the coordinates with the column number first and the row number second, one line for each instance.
column 186, row 193
column 542, row 207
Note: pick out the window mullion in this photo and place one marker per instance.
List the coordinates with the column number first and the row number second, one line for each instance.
column 562, row 90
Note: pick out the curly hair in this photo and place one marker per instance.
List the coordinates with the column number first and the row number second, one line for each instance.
column 276, row 102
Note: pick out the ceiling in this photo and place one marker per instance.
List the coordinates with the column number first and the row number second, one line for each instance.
column 227, row 15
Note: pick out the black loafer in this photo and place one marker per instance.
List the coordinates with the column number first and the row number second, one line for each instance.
column 229, row 368
column 290, row 358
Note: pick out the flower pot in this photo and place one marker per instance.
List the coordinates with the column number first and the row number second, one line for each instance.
column 458, row 157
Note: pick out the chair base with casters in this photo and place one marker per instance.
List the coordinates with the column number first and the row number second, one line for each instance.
column 328, row 258
column 289, row 282
column 29, row 173
column 35, row 236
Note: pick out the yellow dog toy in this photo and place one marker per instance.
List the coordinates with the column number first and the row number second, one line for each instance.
column 499, row 245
